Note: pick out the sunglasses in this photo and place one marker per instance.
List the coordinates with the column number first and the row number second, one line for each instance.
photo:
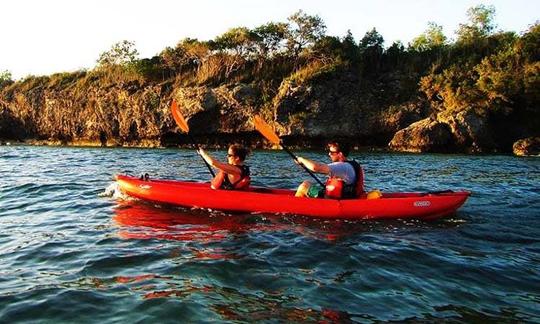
column 230, row 155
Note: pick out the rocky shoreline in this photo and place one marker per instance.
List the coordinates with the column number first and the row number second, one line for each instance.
column 529, row 147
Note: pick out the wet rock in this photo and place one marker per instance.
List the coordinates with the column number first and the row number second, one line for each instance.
column 527, row 147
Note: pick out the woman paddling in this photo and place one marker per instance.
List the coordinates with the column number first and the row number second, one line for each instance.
column 233, row 175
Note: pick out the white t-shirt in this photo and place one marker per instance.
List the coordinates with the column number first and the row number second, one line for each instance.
column 342, row 170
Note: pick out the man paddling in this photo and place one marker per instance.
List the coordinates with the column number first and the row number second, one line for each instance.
column 346, row 177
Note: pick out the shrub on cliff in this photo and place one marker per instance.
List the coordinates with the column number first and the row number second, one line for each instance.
column 122, row 53
column 5, row 78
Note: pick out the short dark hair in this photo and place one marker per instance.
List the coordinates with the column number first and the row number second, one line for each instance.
column 342, row 146
column 239, row 150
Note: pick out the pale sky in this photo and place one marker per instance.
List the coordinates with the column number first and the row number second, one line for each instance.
column 40, row 37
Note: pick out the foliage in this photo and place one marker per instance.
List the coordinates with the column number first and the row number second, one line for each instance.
column 122, row 53
column 5, row 78
column 372, row 49
column 270, row 38
column 188, row 55
column 304, row 31
column 332, row 48
column 312, row 70
column 239, row 41
column 432, row 38
column 481, row 24
column 372, row 39
column 219, row 68
column 63, row 80
column 501, row 77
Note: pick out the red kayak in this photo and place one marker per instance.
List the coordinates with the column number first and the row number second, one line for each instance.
column 263, row 200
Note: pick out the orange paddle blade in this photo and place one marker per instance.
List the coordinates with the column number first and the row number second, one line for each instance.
column 180, row 120
column 266, row 130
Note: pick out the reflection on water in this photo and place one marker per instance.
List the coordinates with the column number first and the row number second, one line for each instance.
column 142, row 221
column 139, row 220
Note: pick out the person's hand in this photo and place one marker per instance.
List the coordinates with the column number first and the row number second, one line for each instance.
column 299, row 160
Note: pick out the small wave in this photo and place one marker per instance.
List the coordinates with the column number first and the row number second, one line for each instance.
column 113, row 191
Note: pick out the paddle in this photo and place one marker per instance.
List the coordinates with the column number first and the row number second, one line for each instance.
column 267, row 131
column 182, row 123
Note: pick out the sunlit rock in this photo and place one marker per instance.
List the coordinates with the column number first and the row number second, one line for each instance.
column 527, row 147
column 426, row 135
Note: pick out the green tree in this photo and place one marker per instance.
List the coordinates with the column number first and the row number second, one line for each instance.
column 270, row 38
column 240, row 40
column 371, row 49
column 481, row 24
column 350, row 49
column 304, row 31
column 122, row 54
column 432, row 38
column 395, row 54
column 5, row 78
column 173, row 59
column 500, row 78
column 509, row 81
column 530, row 43
column 195, row 51
column 342, row 50
column 372, row 39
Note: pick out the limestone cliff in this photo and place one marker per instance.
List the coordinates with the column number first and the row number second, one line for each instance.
column 87, row 110
column 83, row 109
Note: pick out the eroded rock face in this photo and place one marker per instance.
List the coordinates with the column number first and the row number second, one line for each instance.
column 399, row 117
column 10, row 127
column 426, row 135
column 527, row 147
column 121, row 114
column 471, row 131
column 323, row 109
column 463, row 131
column 218, row 110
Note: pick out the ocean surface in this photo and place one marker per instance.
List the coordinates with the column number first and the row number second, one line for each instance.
column 69, row 252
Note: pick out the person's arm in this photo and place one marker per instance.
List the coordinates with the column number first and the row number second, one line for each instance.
column 226, row 167
column 314, row 166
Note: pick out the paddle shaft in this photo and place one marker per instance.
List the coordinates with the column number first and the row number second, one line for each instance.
column 197, row 147
column 303, row 166
column 267, row 131
column 182, row 124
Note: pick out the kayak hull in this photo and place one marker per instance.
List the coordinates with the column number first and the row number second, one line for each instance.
column 263, row 200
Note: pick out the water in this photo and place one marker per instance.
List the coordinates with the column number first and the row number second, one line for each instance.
column 69, row 255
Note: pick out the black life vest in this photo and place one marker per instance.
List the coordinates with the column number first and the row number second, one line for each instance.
column 221, row 180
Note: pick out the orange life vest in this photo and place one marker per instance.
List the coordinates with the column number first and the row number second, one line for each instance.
column 221, row 180
column 336, row 188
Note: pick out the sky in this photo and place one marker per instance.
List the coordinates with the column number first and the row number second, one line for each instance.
column 42, row 37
